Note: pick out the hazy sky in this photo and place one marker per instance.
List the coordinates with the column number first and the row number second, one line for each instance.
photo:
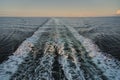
column 59, row 7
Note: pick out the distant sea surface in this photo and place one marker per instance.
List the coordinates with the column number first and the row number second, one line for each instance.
column 103, row 31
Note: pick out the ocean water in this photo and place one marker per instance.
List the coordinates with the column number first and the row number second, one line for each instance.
column 103, row 31
column 14, row 30
column 60, row 48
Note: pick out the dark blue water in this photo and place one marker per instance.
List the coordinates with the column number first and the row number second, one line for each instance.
column 13, row 31
column 103, row 31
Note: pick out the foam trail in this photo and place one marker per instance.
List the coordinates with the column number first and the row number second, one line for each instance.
column 9, row 67
column 109, row 65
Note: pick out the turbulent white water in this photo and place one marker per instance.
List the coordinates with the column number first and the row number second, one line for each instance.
column 9, row 67
column 108, row 64
column 60, row 53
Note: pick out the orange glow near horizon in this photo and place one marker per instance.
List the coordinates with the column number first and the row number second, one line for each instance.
column 59, row 8
column 56, row 13
column 118, row 12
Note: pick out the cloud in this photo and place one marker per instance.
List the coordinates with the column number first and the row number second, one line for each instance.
column 118, row 12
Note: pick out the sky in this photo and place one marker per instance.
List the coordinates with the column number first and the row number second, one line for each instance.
column 59, row 8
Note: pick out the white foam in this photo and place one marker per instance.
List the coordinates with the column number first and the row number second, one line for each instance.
column 109, row 65
column 9, row 67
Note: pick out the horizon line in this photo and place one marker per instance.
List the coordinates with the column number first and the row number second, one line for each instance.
column 64, row 16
